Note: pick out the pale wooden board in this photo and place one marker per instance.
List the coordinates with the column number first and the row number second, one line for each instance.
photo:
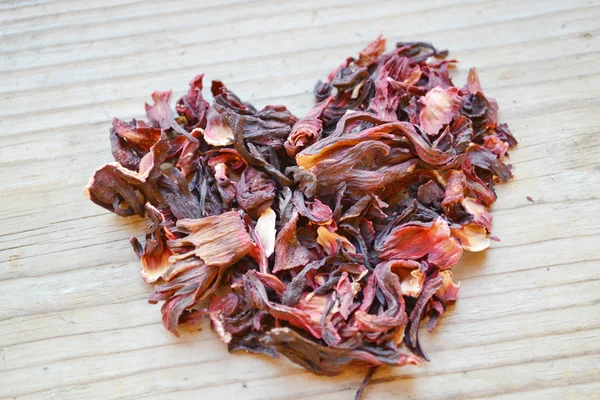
column 74, row 322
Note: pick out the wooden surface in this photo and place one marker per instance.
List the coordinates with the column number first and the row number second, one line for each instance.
column 74, row 321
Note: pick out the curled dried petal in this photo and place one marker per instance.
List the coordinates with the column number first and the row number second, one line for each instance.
column 218, row 240
column 480, row 214
column 265, row 230
column 306, row 181
column 307, row 130
column 161, row 116
column 123, row 153
column 181, row 293
column 289, row 253
column 472, row 237
column 393, row 316
column 316, row 212
column 255, row 192
column 323, row 149
column 192, row 105
column 411, row 274
column 137, row 134
column 415, row 240
column 188, row 160
column 455, row 190
column 225, row 186
column 362, row 167
column 430, row 194
column 328, row 239
column 449, row 290
column 412, row 339
column 371, row 53
column 306, row 314
column 156, row 253
column 229, row 316
column 217, row 132
column 496, row 146
column 438, row 108
column 483, row 158
column 323, row 360
column 176, row 194
column 476, row 185
column 125, row 192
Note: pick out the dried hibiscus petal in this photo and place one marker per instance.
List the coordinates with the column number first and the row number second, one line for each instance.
column 255, row 192
column 155, row 254
column 438, row 108
column 415, row 240
column 307, row 130
column 125, row 192
column 217, row 132
column 325, row 360
column 161, row 116
column 289, row 253
column 217, row 240
column 329, row 238
column 192, row 105
column 138, row 135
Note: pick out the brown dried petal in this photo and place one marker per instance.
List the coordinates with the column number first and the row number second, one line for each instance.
column 225, row 186
column 255, row 192
column 476, row 185
column 192, row 105
column 289, row 253
column 323, row 360
column 412, row 339
column 362, row 167
column 137, row 134
column 483, row 158
column 182, row 293
column 230, row 315
column 176, row 194
column 307, row 130
column 394, row 317
column 430, row 194
column 123, row 153
column 316, row 212
column 322, row 149
column 125, row 192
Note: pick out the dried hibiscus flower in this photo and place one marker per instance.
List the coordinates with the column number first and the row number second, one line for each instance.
column 330, row 237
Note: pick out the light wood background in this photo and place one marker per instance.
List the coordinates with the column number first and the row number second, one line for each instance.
column 74, row 321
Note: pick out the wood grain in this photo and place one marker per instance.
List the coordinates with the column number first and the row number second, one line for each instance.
column 74, row 322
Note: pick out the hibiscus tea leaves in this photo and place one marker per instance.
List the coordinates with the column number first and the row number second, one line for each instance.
column 327, row 238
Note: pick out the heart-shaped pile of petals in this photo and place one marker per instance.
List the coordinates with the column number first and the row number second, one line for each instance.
column 330, row 237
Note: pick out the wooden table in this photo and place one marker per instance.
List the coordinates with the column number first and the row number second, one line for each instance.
column 74, row 321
